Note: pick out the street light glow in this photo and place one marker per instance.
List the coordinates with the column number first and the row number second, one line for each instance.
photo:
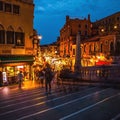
column 39, row 37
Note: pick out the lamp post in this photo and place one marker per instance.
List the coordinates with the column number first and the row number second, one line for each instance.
column 36, row 41
column 36, row 45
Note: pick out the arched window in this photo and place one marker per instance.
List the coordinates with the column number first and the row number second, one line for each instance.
column 86, row 33
column 2, row 35
column 19, row 37
column 111, row 48
column 10, row 35
column 94, row 47
column 117, row 52
column 101, row 47
column 84, row 48
column 90, row 49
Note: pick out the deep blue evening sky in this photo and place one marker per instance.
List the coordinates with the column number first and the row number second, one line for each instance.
column 50, row 15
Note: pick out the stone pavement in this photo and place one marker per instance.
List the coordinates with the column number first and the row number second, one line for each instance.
column 28, row 84
column 88, row 103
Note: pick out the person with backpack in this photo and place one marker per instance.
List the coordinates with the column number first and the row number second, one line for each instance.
column 48, row 78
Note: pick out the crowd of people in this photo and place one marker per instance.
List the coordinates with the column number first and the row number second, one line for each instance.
column 45, row 75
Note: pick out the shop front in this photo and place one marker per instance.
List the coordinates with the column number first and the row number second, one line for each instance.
column 11, row 65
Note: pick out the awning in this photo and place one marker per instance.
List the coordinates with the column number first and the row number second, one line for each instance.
column 15, row 58
column 103, row 63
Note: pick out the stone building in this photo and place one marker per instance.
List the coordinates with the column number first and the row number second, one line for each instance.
column 49, row 51
column 100, row 40
column 16, row 47
column 69, row 31
column 107, row 25
column 104, row 45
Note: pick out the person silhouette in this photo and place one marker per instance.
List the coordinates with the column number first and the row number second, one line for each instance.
column 48, row 78
column 20, row 79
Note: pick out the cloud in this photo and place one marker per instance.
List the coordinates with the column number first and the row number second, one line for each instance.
column 50, row 14
column 39, row 8
column 55, row 7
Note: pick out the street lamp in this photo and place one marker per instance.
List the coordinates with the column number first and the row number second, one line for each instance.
column 36, row 45
column 116, row 29
column 36, row 42
column 39, row 37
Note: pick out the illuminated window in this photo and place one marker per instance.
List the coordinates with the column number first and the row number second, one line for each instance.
column 18, row 42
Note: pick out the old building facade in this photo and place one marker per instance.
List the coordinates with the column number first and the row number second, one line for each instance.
column 100, row 40
column 104, row 45
column 69, row 31
column 16, row 47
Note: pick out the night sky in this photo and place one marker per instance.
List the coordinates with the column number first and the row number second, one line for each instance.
column 50, row 15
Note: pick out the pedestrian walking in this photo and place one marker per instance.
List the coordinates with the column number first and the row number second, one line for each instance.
column 48, row 78
column 20, row 79
column 41, row 77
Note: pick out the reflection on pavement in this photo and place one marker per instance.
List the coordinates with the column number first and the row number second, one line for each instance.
column 30, row 84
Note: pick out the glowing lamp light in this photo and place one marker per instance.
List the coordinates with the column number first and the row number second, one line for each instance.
column 98, row 57
column 55, row 52
column 39, row 37
column 102, row 30
column 115, row 27
column 19, row 67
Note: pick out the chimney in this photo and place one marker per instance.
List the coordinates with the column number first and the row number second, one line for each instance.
column 67, row 18
column 89, row 17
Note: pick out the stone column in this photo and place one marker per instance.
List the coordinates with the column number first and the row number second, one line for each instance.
column 77, row 65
